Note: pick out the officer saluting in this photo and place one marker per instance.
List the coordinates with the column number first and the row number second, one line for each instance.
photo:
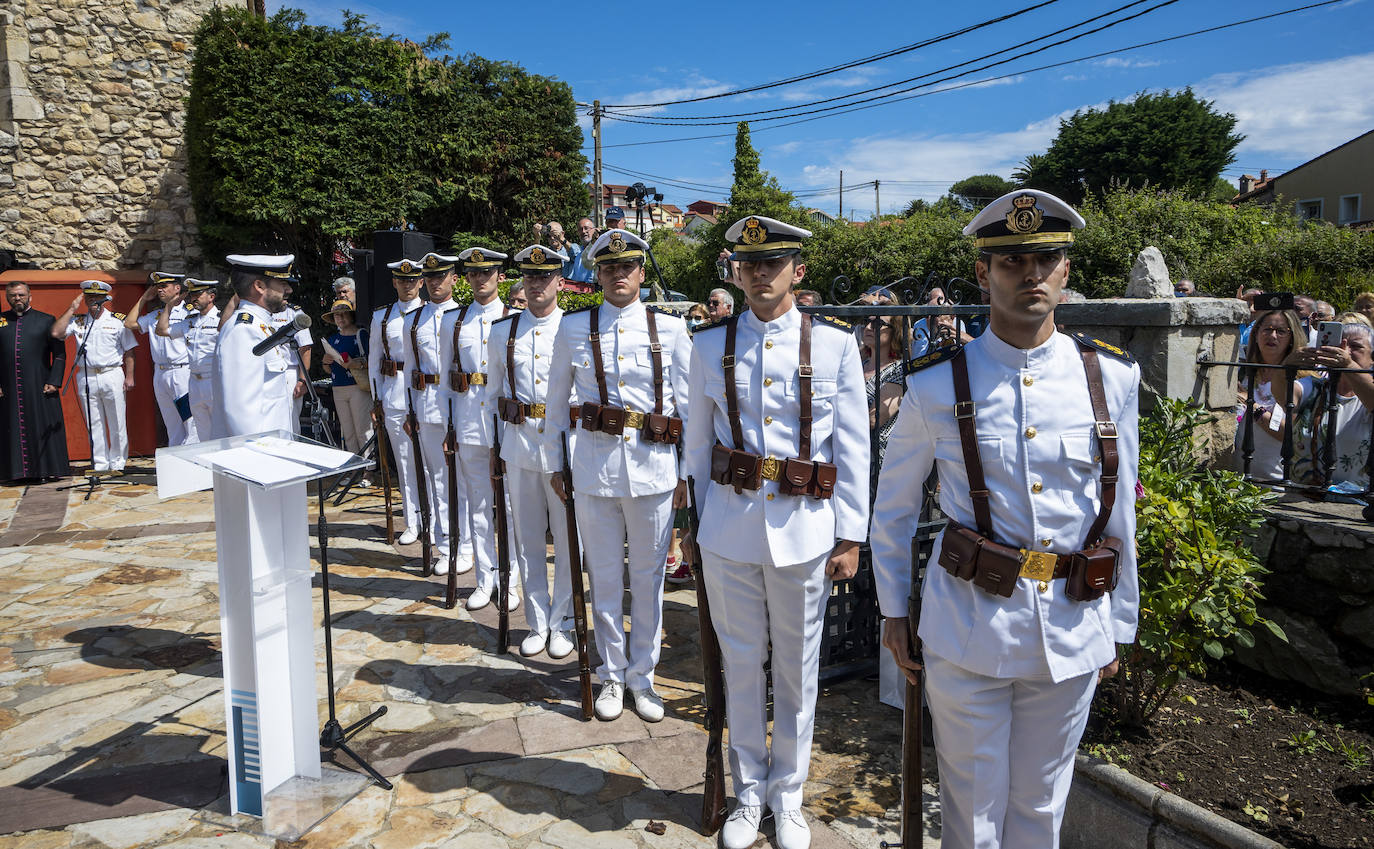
column 1035, row 438
column 253, row 392
column 627, row 365
column 386, row 370
column 519, row 357
column 104, row 372
column 200, row 328
column 777, row 443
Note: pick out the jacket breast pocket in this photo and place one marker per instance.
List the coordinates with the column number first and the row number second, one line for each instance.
column 949, row 452
column 1080, row 460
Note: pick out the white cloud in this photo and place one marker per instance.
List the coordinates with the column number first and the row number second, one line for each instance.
column 1127, row 62
column 690, row 86
column 1295, row 112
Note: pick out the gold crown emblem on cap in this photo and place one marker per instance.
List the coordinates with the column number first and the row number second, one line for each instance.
column 754, row 232
column 431, row 261
column 537, row 256
column 476, row 255
column 617, row 244
column 406, row 266
column 1025, row 216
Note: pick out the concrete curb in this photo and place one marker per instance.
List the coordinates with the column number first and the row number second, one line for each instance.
column 1110, row 807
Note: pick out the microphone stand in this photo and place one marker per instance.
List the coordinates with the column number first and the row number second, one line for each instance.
column 318, row 415
column 92, row 479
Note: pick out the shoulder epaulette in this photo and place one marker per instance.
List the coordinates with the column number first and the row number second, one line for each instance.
column 1105, row 347
column 939, row 355
column 833, row 322
column 505, row 318
column 662, row 311
column 245, row 318
column 720, row 322
column 120, row 316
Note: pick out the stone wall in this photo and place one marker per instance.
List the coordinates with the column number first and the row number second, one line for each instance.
column 92, row 106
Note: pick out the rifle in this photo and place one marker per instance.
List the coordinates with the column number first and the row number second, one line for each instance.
column 498, row 508
column 579, row 602
column 713, row 685
column 421, row 483
column 383, row 445
column 451, row 463
column 913, row 710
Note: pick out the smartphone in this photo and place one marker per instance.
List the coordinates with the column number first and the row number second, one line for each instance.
column 1329, row 334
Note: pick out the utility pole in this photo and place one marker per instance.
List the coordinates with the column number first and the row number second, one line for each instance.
column 596, row 163
column 841, row 193
column 877, row 204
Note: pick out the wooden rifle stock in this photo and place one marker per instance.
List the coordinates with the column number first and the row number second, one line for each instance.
column 579, row 602
column 498, row 509
column 713, row 685
column 913, row 710
column 383, row 446
column 451, row 465
column 421, row 485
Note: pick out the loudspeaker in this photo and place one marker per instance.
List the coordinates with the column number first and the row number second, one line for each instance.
column 374, row 285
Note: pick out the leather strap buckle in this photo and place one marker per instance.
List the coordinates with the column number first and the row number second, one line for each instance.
column 964, row 409
column 772, row 469
column 1106, row 430
column 1038, row 565
column 727, row 361
column 804, row 370
column 634, row 420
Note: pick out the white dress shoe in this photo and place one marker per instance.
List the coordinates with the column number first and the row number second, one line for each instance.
column 408, row 536
column 648, row 705
column 479, row 599
column 560, row 645
column 512, row 598
column 532, row 644
column 790, row 830
column 742, row 828
column 441, row 564
column 464, row 562
column 610, row 701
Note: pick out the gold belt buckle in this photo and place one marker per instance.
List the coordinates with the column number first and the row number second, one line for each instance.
column 1038, row 565
column 634, row 420
column 537, row 411
column 771, row 469
column 478, row 378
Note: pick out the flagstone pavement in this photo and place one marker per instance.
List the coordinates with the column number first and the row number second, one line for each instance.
column 112, row 716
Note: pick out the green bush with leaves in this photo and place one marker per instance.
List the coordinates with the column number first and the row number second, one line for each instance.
column 1199, row 578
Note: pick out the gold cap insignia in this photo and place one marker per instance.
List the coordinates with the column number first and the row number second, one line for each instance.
column 431, row 261
column 617, row 244
column 537, row 256
column 407, row 267
column 754, row 232
column 1025, row 217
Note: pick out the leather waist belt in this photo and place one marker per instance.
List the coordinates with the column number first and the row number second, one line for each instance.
column 391, row 368
column 459, row 381
column 100, row 369
column 745, row 470
column 615, row 421
column 995, row 568
column 200, row 376
column 170, row 366
column 515, row 412
column 419, row 380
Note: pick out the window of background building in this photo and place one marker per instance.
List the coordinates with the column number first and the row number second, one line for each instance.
column 1310, row 210
column 1350, row 209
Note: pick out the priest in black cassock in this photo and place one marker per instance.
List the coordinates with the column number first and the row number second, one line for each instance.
column 33, row 443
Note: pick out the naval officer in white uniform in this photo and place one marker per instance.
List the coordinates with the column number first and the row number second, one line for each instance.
column 1010, row 674
column 770, row 548
column 253, row 393
column 387, row 372
column 627, row 364
column 104, row 372
column 200, row 328
column 465, row 333
column 171, row 363
column 519, row 357
column 425, row 373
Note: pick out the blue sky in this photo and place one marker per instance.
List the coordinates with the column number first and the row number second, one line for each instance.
column 1299, row 84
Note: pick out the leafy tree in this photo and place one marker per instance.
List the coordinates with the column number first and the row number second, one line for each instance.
column 946, row 205
column 1030, row 174
column 978, row 191
column 1167, row 140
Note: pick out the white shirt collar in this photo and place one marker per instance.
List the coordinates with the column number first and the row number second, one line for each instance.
column 1019, row 358
column 633, row 308
column 787, row 321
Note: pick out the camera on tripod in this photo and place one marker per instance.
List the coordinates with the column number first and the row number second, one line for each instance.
column 640, row 194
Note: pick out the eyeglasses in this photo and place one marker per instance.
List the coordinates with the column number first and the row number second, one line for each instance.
column 1277, row 331
column 714, row 302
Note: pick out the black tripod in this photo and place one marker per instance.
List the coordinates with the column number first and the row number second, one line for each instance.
column 92, row 479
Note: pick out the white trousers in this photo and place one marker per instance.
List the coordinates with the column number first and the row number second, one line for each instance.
column 536, row 511
column 101, row 397
column 405, row 467
column 436, row 478
column 1006, row 748
column 169, row 385
column 202, row 392
column 752, row 605
column 474, row 465
column 606, row 524
column 354, row 407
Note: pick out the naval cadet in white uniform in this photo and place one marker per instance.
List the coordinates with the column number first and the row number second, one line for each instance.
column 104, row 373
column 465, row 334
column 627, row 364
column 518, row 357
column 300, row 364
column 1014, row 640
column 200, row 328
column 253, row 393
column 771, row 546
column 171, row 363
column 425, row 373
column 387, row 372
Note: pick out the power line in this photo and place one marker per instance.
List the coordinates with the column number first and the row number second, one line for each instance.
column 879, row 97
column 645, row 176
column 841, row 67
column 795, row 106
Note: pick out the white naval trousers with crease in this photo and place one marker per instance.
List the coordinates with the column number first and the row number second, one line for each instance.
column 645, row 522
column 474, row 481
column 169, row 384
column 436, row 478
column 201, row 388
column 535, row 511
column 990, row 753
column 405, row 468
column 105, row 406
column 752, row 605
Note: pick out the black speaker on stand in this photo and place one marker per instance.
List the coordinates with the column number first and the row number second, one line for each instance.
column 374, row 286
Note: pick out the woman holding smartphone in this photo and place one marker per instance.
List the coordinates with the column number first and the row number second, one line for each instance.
column 1276, row 335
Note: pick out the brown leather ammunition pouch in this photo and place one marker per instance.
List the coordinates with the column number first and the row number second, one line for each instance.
column 959, row 551
column 417, row 380
column 1094, row 571
column 720, row 464
column 661, row 428
column 388, row 368
column 458, row 380
column 510, row 410
column 824, row 483
column 612, row 420
column 998, row 568
column 795, row 477
column 590, row 417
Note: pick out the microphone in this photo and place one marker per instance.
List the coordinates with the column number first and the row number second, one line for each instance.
column 286, row 331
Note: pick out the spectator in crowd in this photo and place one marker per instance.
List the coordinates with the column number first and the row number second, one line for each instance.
column 573, row 269
column 883, row 350
column 697, row 316
column 345, row 353
column 1323, row 312
column 586, row 232
column 1247, row 295
column 32, row 363
column 1277, row 334
column 727, row 270
column 1183, row 288
column 1364, row 304
column 939, row 330
column 808, row 298
column 1304, row 306
column 615, row 218
column 515, row 298
column 1355, row 318
column 1354, row 415
column 720, row 304
column 345, row 288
